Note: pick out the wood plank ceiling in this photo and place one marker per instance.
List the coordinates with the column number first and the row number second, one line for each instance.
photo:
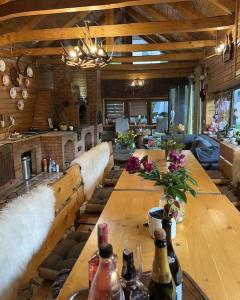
column 182, row 30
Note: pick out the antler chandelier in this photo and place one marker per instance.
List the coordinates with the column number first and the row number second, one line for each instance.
column 88, row 53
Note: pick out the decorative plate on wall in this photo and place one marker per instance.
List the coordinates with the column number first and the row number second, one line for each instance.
column 24, row 94
column 6, row 80
column 2, row 65
column 29, row 72
column 27, row 82
column 20, row 104
column 13, row 93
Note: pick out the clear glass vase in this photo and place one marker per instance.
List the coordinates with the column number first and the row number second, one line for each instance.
column 181, row 213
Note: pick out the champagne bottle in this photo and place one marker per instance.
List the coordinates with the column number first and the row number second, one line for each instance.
column 132, row 287
column 102, row 237
column 173, row 260
column 106, row 283
column 161, row 285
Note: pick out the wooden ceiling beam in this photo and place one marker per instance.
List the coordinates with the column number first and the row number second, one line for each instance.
column 163, row 57
column 22, row 8
column 31, row 23
column 144, row 67
column 70, row 22
column 150, row 75
column 228, row 6
column 206, row 24
column 118, row 48
column 158, row 16
column 142, row 19
column 109, row 20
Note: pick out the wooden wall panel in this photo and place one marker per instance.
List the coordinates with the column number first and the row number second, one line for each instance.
column 8, row 106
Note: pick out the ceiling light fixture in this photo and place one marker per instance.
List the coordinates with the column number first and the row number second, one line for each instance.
column 220, row 48
column 137, row 82
column 88, row 53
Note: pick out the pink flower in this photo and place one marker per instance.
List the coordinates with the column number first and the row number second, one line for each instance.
column 133, row 164
column 148, row 166
column 150, row 143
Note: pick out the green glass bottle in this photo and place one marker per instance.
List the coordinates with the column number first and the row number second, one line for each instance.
column 173, row 260
column 161, row 286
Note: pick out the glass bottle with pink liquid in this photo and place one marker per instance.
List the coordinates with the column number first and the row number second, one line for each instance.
column 93, row 263
column 106, row 283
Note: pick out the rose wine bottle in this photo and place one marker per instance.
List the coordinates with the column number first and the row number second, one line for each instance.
column 106, row 283
column 102, row 237
column 161, row 285
column 132, row 287
column 173, row 260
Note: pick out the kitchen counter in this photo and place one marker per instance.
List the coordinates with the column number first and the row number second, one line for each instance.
column 29, row 137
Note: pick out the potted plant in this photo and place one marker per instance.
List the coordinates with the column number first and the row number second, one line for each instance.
column 171, row 144
column 127, row 140
column 238, row 136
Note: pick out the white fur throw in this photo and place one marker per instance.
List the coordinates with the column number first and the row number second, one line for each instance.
column 236, row 168
column 24, row 225
column 93, row 164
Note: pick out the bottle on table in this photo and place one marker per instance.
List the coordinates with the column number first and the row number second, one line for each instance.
column 173, row 260
column 106, row 283
column 50, row 165
column 132, row 287
column 102, row 237
column 161, row 286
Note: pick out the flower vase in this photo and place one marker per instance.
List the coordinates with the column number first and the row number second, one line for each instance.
column 131, row 148
column 155, row 216
column 181, row 213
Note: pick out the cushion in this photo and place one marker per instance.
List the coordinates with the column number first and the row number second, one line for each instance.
column 101, row 195
column 64, row 255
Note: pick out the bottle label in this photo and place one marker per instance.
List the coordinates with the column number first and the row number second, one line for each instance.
column 179, row 291
column 171, row 260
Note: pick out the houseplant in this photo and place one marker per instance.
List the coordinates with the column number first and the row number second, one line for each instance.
column 171, row 144
column 126, row 140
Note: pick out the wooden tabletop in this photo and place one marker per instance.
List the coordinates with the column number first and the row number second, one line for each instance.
column 135, row 182
column 207, row 242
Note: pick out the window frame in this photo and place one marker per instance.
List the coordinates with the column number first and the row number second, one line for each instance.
column 126, row 101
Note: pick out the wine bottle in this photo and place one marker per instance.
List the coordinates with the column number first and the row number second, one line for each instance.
column 106, row 283
column 102, row 237
column 161, row 285
column 132, row 287
column 173, row 260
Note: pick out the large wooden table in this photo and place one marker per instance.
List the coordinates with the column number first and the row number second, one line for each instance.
column 135, row 182
column 207, row 242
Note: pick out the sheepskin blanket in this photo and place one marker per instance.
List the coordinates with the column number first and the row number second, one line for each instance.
column 93, row 164
column 236, row 168
column 24, row 225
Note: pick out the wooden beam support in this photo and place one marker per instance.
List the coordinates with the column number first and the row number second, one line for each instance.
column 163, row 57
column 206, row 24
column 109, row 20
column 31, row 23
column 106, row 75
column 228, row 6
column 144, row 67
column 21, row 8
column 119, row 48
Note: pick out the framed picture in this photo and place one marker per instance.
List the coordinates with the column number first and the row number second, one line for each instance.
column 50, row 123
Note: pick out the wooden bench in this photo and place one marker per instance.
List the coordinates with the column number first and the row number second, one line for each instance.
column 69, row 197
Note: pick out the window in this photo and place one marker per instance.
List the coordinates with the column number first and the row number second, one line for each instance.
column 236, row 109
column 114, row 110
column 136, row 40
column 159, row 109
column 138, row 111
